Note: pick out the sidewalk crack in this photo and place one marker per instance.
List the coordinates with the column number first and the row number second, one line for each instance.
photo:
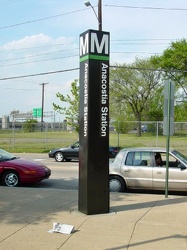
column 71, row 235
column 136, row 223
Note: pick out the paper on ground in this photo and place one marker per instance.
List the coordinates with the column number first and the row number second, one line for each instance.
column 61, row 228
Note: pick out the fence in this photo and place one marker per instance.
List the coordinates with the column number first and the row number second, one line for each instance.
column 41, row 137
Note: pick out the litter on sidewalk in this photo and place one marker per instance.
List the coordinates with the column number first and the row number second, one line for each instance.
column 61, row 228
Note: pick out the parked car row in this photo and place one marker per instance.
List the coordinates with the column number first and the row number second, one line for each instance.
column 132, row 168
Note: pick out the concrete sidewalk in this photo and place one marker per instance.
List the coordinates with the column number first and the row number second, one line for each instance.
column 137, row 221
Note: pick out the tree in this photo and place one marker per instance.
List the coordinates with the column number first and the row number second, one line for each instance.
column 29, row 125
column 72, row 111
column 133, row 87
column 180, row 112
column 174, row 62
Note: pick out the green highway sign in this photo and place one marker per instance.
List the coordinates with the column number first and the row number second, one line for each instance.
column 37, row 112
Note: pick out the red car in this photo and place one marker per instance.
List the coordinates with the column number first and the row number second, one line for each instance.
column 15, row 171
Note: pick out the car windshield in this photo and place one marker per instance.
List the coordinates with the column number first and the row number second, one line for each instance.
column 75, row 145
column 180, row 156
column 119, row 158
column 5, row 156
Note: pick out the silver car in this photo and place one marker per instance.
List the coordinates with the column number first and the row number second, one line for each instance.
column 145, row 168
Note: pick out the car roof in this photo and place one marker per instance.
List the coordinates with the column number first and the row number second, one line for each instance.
column 154, row 149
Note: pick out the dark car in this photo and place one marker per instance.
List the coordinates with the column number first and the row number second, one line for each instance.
column 15, row 171
column 72, row 153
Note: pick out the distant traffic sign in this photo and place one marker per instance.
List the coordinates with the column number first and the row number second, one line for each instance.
column 37, row 112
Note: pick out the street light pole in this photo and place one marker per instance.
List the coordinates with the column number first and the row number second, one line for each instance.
column 99, row 14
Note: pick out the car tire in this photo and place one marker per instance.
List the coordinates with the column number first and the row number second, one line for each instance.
column 116, row 184
column 11, row 179
column 59, row 157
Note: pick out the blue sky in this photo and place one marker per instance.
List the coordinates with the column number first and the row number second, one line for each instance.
column 39, row 36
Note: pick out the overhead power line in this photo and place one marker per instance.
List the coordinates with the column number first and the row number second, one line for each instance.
column 39, row 74
column 10, row 1
column 144, row 39
column 146, row 8
column 150, row 69
column 69, row 56
column 37, row 61
column 73, row 69
column 75, row 43
column 41, row 19
column 76, row 11
column 135, row 52
column 38, row 55
column 39, row 47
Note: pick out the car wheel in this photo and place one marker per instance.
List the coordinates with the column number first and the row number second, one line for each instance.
column 116, row 184
column 10, row 179
column 59, row 156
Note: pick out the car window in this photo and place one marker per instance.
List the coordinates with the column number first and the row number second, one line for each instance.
column 5, row 156
column 180, row 156
column 129, row 159
column 173, row 163
column 138, row 159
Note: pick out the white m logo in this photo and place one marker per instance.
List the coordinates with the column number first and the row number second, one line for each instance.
column 84, row 45
column 99, row 47
column 94, row 46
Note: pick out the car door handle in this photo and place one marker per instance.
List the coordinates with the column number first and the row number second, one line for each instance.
column 126, row 171
column 159, row 172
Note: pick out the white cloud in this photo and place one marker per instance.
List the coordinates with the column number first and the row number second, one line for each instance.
column 27, row 42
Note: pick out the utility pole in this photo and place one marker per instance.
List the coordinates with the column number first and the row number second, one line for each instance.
column 43, row 87
column 100, row 15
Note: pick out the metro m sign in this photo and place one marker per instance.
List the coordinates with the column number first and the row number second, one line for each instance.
column 94, row 122
column 94, row 43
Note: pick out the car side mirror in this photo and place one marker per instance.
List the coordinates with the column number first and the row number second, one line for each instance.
column 181, row 166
